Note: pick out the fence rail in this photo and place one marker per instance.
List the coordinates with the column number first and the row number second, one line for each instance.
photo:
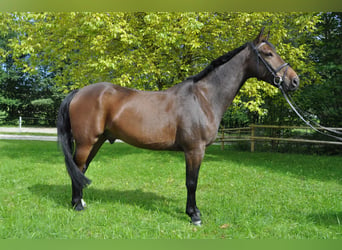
column 251, row 134
column 25, row 121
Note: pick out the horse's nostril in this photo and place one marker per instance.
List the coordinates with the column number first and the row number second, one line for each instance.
column 295, row 82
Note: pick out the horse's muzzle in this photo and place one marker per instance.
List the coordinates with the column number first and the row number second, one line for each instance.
column 294, row 84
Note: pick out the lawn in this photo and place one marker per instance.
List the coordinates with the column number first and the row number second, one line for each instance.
column 139, row 194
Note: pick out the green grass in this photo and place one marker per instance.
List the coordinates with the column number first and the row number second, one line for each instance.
column 139, row 194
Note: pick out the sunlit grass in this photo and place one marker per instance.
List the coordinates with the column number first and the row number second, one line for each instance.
column 141, row 194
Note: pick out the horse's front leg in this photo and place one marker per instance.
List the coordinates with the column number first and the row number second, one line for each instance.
column 193, row 162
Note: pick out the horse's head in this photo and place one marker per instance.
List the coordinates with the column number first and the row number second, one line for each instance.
column 270, row 67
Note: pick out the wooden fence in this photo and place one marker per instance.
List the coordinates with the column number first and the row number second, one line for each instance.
column 251, row 134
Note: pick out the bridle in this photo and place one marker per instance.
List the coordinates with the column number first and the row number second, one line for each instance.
column 277, row 80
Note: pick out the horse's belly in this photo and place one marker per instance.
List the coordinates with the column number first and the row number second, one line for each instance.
column 149, row 142
column 145, row 135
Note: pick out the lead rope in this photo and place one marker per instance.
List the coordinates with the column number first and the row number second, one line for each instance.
column 316, row 124
column 308, row 123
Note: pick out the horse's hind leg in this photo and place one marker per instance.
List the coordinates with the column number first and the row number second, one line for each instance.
column 94, row 150
column 83, row 156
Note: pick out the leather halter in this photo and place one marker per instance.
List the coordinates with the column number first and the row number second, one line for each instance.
column 277, row 80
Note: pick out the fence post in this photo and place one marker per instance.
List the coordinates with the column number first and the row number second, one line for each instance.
column 252, row 137
column 20, row 120
column 222, row 140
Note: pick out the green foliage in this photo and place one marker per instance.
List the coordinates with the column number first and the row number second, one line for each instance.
column 32, row 96
column 324, row 97
column 42, row 102
column 321, row 99
column 151, row 51
column 319, row 93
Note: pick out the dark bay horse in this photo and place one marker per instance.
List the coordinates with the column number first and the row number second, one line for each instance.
column 185, row 117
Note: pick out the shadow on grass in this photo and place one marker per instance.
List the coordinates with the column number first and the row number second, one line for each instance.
column 51, row 153
column 326, row 219
column 323, row 168
column 61, row 195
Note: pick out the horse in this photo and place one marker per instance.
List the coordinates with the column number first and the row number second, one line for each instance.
column 185, row 117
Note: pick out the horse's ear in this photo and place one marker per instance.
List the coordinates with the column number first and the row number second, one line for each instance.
column 268, row 35
column 259, row 38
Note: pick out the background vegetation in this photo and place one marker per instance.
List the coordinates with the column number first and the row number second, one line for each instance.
column 45, row 55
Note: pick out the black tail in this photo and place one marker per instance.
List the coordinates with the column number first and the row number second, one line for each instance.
column 65, row 140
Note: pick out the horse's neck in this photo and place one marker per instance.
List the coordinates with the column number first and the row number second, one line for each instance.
column 222, row 85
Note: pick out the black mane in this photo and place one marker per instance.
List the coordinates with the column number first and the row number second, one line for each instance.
column 216, row 63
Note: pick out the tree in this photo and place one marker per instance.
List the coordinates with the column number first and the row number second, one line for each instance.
column 22, row 94
column 151, row 51
column 35, row 98
column 324, row 97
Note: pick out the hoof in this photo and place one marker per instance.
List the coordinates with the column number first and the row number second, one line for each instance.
column 196, row 220
column 80, row 205
column 197, row 223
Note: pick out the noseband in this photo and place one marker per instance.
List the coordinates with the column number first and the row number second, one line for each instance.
column 277, row 80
